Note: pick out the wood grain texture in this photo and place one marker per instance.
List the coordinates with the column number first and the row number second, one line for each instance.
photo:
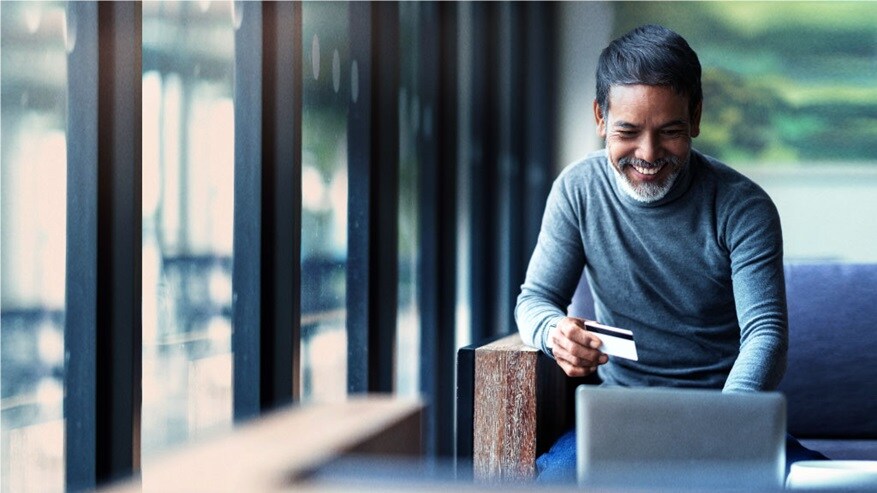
column 505, row 428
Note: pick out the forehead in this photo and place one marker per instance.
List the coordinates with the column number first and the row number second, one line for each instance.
column 642, row 102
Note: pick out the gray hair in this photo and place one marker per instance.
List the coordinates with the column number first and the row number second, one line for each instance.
column 650, row 55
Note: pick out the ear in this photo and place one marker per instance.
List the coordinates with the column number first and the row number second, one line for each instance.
column 600, row 119
column 695, row 120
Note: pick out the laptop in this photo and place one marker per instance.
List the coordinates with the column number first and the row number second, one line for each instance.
column 661, row 438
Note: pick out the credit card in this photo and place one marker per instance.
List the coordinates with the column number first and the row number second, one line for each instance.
column 615, row 341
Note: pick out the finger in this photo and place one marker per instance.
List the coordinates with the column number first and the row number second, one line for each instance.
column 575, row 331
column 585, row 356
column 591, row 359
column 574, row 371
column 569, row 323
column 582, row 358
column 569, row 334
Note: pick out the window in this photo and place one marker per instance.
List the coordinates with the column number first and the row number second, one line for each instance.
column 330, row 81
column 171, row 275
column 34, row 191
column 188, row 197
column 413, row 117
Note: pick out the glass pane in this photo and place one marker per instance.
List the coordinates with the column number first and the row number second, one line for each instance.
column 465, row 149
column 410, row 116
column 326, row 91
column 34, row 195
column 790, row 100
column 188, row 200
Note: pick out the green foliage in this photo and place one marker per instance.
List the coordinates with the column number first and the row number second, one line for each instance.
column 783, row 81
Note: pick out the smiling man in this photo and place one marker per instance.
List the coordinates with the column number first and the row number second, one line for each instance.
column 648, row 137
column 677, row 247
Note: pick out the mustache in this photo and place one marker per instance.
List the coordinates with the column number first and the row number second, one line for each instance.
column 642, row 163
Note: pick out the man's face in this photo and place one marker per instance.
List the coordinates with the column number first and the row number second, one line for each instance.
column 648, row 132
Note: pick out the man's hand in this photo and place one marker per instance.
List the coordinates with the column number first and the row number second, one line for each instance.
column 574, row 348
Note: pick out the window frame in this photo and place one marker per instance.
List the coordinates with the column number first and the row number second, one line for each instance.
column 102, row 331
column 373, row 198
column 266, row 339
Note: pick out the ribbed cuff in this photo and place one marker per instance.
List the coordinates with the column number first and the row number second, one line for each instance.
column 545, row 333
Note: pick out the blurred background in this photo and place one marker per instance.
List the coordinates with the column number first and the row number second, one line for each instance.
column 790, row 94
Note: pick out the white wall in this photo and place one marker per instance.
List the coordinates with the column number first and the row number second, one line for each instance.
column 585, row 29
column 827, row 210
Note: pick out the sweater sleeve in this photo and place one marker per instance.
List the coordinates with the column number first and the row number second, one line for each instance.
column 554, row 269
column 754, row 237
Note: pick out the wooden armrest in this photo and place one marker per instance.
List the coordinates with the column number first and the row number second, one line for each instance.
column 522, row 402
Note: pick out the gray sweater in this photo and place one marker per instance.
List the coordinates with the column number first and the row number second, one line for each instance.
column 697, row 276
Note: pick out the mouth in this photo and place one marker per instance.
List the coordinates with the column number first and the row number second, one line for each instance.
column 647, row 181
column 648, row 170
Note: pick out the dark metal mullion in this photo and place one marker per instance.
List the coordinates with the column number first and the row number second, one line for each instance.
column 247, row 259
column 446, row 129
column 384, row 234
column 511, row 40
column 267, row 210
column 446, row 147
column 373, row 149
column 483, row 160
column 437, row 150
column 465, row 412
column 517, row 267
column 103, row 293
column 538, row 106
column 504, row 184
column 359, row 198
column 281, row 202
column 80, row 326
column 429, row 218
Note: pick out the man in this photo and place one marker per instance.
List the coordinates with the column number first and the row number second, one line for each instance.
column 677, row 247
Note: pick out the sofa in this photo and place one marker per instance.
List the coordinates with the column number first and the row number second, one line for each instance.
column 831, row 379
column 513, row 401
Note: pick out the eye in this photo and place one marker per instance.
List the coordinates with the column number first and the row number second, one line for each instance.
column 673, row 132
column 626, row 134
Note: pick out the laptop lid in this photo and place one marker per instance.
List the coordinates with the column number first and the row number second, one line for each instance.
column 672, row 438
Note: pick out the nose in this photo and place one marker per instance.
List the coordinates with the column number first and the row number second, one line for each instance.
column 649, row 148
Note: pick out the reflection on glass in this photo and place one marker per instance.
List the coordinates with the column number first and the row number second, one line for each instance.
column 188, row 197
column 408, row 316
column 34, row 194
column 324, row 200
column 465, row 148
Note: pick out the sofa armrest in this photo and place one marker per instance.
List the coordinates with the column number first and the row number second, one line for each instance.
column 521, row 402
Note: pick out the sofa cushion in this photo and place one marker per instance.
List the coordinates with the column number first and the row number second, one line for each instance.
column 844, row 449
column 831, row 380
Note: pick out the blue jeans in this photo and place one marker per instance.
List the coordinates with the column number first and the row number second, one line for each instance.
column 558, row 465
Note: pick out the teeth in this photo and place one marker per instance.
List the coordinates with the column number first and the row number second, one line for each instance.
column 647, row 171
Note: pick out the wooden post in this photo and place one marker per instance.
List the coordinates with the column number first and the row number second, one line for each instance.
column 504, row 436
column 523, row 402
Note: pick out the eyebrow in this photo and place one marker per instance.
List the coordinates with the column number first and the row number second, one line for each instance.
column 624, row 124
column 673, row 123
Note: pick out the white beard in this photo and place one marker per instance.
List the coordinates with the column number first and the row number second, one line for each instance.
column 645, row 192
